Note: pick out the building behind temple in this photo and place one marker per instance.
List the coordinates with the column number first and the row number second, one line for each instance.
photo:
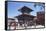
column 41, row 18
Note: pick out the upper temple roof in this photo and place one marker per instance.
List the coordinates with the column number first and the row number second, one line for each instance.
column 26, row 9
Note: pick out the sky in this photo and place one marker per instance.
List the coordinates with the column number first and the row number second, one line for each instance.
column 13, row 8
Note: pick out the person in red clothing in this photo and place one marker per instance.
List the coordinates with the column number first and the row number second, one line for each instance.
column 13, row 25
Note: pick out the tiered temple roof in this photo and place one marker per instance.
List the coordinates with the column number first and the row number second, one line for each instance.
column 23, row 15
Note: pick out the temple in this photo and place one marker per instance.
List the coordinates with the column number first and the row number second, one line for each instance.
column 25, row 18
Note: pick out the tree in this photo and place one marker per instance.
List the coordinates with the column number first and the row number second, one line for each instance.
column 42, row 5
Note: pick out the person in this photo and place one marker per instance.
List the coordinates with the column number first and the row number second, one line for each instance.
column 13, row 25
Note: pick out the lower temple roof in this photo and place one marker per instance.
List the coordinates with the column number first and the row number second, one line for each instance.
column 25, row 16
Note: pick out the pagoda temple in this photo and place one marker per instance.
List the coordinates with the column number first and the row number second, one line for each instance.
column 25, row 18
